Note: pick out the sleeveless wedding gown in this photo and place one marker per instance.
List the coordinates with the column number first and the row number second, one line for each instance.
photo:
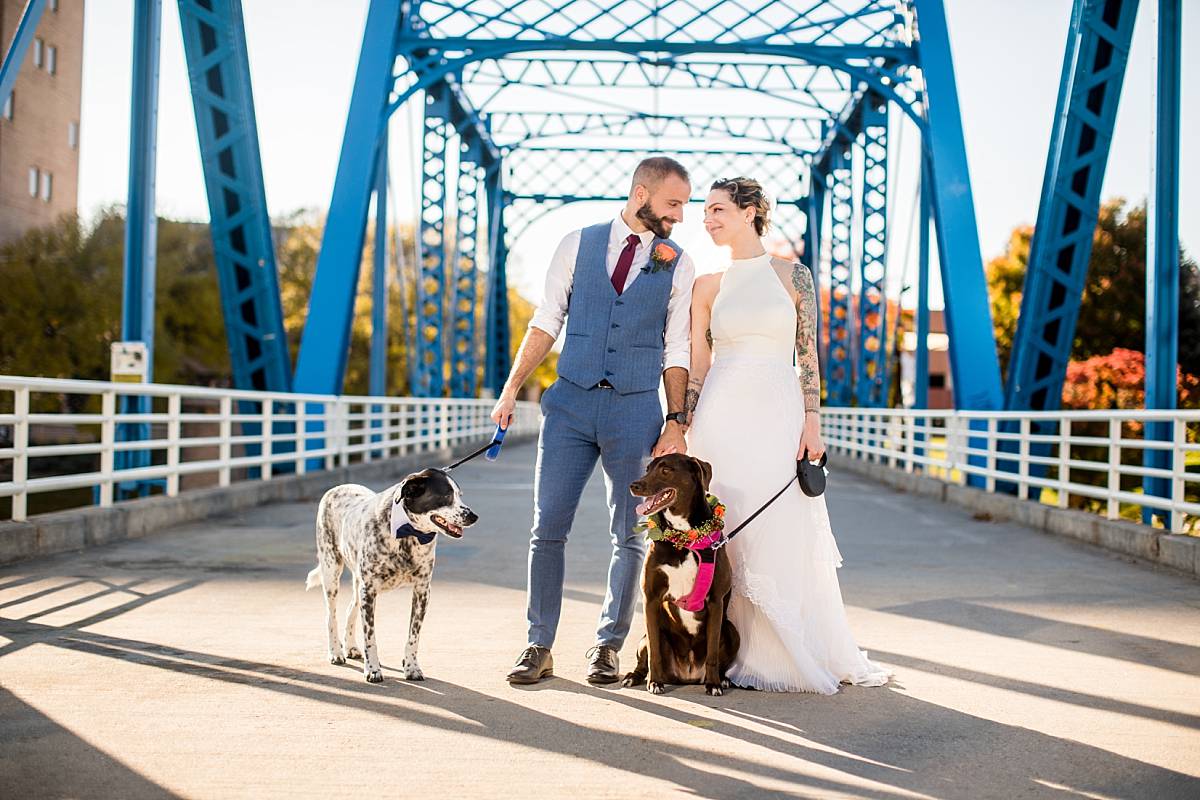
column 786, row 603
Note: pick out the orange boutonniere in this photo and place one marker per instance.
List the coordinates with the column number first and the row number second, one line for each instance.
column 661, row 257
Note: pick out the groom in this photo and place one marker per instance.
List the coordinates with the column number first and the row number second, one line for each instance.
column 624, row 289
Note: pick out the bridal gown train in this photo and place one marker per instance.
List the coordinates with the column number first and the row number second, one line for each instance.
column 786, row 604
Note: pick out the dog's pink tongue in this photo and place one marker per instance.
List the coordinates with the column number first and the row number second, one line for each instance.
column 643, row 508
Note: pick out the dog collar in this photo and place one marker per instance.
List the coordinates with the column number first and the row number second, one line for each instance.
column 402, row 528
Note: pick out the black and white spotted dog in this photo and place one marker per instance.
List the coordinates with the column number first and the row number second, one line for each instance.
column 388, row 540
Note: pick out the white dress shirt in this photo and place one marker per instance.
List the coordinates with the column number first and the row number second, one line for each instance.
column 552, row 311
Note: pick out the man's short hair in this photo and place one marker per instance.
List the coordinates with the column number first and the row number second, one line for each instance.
column 654, row 170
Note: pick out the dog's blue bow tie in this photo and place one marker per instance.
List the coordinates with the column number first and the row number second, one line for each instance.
column 408, row 530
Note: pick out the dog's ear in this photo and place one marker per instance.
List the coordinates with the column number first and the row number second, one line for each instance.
column 412, row 487
column 705, row 472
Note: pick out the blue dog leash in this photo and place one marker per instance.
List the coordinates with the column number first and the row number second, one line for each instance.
column 492, row 449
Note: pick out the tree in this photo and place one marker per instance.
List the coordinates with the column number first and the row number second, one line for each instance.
column 1113, row 310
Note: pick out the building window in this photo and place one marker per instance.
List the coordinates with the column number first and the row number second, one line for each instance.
column 47, row 186
column 34, row 176
column 39, row 52
column 73, row 135
column 937, row 381
column 52, row 59
column 8, row 107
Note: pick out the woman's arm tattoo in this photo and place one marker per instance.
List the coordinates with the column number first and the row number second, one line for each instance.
column 708, row 337
column 806, row 336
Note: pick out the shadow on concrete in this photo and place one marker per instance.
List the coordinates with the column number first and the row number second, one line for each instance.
column 39, row 757
column 878, row 735
column 1141, row 650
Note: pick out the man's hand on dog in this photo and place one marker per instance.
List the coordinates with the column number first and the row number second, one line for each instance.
column 502, row 413
column 671, row 441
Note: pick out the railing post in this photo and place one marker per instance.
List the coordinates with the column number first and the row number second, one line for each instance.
column 989, row 483
column 1114, row 467
column 108, row 435
column 444, row 424
column 1178, row 464
column 1023, row 459
column 301, row 439
column 1064, row 455
column 910, row 436
column 267, row 412
column 20, row 452
column 225, row 448
column 174, row 430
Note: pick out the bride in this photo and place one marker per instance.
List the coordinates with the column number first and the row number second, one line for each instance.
column 752, row 419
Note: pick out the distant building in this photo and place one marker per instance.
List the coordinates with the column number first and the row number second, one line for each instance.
column 941, row 394
column 39, row 126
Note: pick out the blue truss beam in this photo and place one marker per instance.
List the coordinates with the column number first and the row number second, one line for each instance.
column 1093, row 70
column 498, row 356
column 377, row 383
column 463, row 354
column 839, row 375
column 431, row 275
column 1162, row 247
column 324, row 346
column 15, row 55
column 214, row 40
column 975, row 366
column 871, row 386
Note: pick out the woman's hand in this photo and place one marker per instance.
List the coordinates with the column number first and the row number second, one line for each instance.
column 810, row 440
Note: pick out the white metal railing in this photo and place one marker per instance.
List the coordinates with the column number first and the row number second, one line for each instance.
column 228, row 433
column 1054, row 451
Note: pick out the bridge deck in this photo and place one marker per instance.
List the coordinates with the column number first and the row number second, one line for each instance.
column 192, row 664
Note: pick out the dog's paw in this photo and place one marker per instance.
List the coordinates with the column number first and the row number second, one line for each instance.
column 374, row 675
column 632, row 679
column 353, row 653
column 337, row 659
column 714, row 690
column 413, row 673
column 726, row 683
column 654, row 687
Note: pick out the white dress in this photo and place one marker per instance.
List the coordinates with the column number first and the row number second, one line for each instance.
column 786, row 604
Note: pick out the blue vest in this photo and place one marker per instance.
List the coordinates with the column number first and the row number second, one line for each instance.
column 611, row 336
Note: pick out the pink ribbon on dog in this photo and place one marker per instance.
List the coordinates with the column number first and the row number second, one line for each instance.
column 694, row 600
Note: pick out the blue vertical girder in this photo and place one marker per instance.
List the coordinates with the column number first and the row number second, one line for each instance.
column 214, row 40
column 1093, row 70
column 1162, row 250
column 431, row 275
column 463, row 355
column 871, row 384
column 839, row 375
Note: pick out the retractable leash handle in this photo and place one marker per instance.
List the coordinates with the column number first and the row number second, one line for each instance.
column 497, row 442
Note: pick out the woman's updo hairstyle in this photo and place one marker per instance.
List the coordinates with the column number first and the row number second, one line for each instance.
column 748, row 193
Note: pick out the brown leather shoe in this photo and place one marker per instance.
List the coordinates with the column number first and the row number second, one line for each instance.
column 602, row 665
column 534, row 663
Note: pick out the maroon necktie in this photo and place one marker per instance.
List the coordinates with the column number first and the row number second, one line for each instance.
column 624, row 263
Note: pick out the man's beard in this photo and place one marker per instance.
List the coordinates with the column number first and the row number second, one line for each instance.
column 661, row 226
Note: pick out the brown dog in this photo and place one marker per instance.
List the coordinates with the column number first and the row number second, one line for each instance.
column 681, row 647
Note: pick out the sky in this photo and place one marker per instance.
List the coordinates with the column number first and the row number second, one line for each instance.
column 303, row 53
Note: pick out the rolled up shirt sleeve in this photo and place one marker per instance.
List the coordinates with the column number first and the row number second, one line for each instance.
column 552, row 310
column 678, row 334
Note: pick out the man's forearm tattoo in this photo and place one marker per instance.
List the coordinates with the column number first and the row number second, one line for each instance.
column 806, row 336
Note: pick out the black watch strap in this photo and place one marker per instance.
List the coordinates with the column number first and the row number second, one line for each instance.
column 678, row 416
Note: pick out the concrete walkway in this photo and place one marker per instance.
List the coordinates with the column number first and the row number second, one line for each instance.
column 192, row 664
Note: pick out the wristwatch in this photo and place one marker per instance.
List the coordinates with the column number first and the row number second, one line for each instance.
column 678, row 416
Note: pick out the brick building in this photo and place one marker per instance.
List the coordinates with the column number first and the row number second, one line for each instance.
column 39, row 126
